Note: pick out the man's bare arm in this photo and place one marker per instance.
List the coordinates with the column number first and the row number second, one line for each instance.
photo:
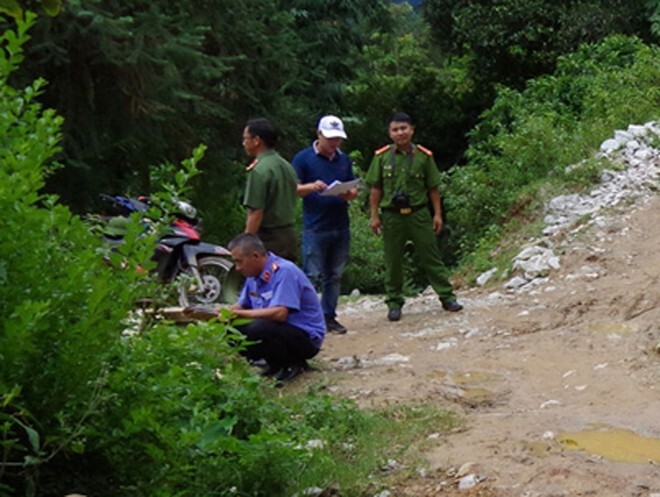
column 253, row 222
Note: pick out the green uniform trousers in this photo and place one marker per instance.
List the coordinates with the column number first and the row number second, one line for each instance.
column 417, row 227
column 282, row 241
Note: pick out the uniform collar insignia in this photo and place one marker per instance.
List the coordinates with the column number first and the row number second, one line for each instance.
column 267, row 274
column 382, row 149
column 252, row 165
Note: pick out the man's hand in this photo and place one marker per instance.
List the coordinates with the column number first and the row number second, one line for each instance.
column 350, row 194
column 434, row 196
column 437, row 224
column 253, row 221
column 375, row 196
column 376, row 225
column 302, row 190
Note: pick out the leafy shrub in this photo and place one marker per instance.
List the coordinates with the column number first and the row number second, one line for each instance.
column 529, row 136
column 61, row 306
column 365, row 269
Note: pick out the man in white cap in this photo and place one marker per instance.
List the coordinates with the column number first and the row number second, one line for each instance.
column 326, row 229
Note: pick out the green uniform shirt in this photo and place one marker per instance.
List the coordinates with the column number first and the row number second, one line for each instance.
column 271, row 187
column 414, row 178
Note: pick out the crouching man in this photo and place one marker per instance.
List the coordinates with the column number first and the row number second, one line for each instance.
column 288, row 325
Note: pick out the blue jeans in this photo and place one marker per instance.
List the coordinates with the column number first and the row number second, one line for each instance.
column 325, row 254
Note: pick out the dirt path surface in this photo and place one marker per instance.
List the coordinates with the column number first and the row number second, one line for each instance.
column 527, row 369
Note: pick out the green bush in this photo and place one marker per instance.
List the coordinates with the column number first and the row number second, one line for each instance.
column 365, row 269
column 530, row 136
column 61, row 306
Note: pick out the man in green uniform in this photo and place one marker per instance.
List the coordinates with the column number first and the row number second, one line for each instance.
column 403, row 177
column 270, row 192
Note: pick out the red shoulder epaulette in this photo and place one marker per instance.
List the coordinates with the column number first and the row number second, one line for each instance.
column 425, row 150
column 382, row 149
column 252, row 165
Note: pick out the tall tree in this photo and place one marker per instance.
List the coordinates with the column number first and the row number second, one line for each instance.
column 332, row 33
column 516, row 40
column 401, row 70
column 123, row 76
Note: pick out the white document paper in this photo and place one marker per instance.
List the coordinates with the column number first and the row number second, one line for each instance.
column 338, row 187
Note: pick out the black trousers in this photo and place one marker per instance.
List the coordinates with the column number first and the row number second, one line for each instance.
column 279, row 343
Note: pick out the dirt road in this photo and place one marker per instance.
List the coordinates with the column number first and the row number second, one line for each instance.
column 530, row 372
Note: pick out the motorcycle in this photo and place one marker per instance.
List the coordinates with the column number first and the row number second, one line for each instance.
column 211, row 276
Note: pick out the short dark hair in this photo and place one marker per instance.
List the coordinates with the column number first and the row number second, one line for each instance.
column 264, row 129
column 400, row 117
column 247, row 243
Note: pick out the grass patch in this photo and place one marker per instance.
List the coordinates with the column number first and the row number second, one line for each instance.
column 356, row 450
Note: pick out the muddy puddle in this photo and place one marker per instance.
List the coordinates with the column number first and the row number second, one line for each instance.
column 610, row 328
column 472, row 388
column 613, row 444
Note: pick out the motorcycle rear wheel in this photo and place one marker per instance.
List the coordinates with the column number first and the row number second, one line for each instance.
column 221, row 283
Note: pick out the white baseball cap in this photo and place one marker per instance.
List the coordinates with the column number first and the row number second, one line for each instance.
column 332, row 127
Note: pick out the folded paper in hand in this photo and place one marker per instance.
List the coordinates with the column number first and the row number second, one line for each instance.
column 338, row 187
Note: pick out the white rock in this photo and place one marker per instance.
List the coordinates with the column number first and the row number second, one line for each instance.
column 549, row 403
column 644, row 154
column 392, row 359
column 638, row 131
column 483, row 278
column 467, row 482
column 444, row 346
column 472, row 333
column 530, row 252
column 515, row 282
column 609, row 146
column 315, row 444
column 622, row 136
column 606, row 176
column 348, row 362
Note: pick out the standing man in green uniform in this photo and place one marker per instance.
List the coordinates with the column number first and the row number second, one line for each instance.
column 403, row 177
column 270, row 192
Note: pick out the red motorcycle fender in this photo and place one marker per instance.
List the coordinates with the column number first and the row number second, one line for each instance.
column 191, row 253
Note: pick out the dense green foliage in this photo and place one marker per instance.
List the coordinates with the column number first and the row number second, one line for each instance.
column 98, row 400
column 512, row 41
column 145, row 81
column 530, row 136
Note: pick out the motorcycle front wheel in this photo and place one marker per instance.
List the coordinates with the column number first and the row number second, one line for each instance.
column 221, row 283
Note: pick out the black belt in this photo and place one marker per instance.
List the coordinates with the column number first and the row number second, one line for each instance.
column 275, row 228
column 404, row 210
